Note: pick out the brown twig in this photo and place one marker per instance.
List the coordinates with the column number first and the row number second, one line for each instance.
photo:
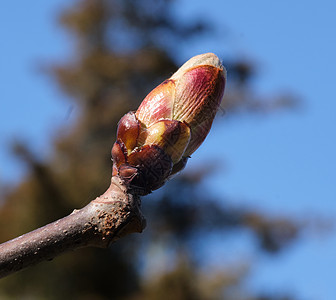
column 104, row 220
column 194, row 94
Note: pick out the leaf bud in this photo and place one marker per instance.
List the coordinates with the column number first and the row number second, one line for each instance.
column 170, row 124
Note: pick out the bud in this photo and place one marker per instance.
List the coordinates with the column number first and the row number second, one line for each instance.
column 169, row 125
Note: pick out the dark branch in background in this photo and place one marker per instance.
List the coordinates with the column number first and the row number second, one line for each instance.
column 104, row 77
column 104, row 220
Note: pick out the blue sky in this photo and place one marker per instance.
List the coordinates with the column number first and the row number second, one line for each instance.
column 283, row 164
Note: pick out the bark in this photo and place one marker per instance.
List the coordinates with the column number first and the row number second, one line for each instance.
column 104, row 220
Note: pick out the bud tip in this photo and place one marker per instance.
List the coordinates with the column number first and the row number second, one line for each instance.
column 210, row 59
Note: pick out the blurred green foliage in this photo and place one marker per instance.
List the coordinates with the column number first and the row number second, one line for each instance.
column 122, row 49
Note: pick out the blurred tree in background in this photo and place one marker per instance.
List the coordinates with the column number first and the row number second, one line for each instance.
column 122, row 50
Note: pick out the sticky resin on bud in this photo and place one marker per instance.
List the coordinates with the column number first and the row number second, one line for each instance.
column 128, row 131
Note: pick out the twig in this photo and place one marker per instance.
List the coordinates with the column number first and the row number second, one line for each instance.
column 104, row 220
column 194, row 94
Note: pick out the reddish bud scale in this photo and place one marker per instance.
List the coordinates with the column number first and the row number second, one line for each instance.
column 128, row 131
column 205, row 90
column 169, row 125
column 202, row 87
column 158, row 104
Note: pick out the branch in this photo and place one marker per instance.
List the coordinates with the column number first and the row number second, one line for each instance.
column 152, row 144
column 104, row 220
